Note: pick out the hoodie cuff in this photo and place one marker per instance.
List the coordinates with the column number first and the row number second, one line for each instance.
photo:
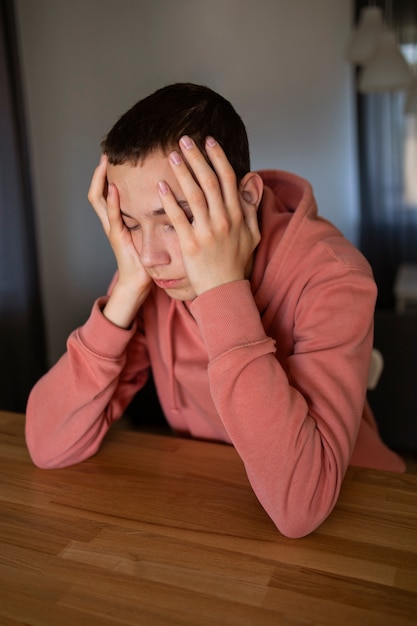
column 102, row 337
column 228, row 318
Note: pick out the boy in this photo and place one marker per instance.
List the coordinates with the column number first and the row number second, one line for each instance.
column 255, row 315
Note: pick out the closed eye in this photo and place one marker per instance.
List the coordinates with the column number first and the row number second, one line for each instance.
column 157, row 213
column 125, row 217
column 130, row 228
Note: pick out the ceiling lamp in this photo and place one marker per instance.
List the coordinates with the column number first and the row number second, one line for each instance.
column 363, row 40
column 410, row 53
column 386, row 70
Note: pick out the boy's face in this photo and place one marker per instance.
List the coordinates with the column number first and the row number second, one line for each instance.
column 152, row 233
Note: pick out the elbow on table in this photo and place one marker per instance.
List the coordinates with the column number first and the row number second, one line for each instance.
column 299, row 527
column 46, row 453
column 54, row 448
column 49, row 455
column 41, row 461
column 301, row 504
column 39, row 445
column 40, row 454
column 44, row 459
column 299, row 516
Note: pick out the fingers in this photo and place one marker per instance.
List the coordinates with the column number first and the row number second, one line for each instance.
column 225, row 172
column 197, row 179
column 238, row 205
column 104, row 199
column 114, row 216
column 210, row 188
column 98, row 191
column 180, row 219
column 98, row 185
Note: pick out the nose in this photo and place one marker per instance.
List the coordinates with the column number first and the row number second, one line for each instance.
column 153, row 252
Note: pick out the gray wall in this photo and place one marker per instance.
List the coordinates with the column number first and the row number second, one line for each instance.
column 85, row 62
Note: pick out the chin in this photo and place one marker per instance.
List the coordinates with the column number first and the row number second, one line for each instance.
column 182, row 295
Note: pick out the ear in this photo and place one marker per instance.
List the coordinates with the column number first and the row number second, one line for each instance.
column 252, row 187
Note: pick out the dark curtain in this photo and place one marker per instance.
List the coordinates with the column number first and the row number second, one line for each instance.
column 388, row 213
column 22, row 349
column 388, row 178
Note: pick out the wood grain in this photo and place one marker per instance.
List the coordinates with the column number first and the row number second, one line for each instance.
column 165, row 531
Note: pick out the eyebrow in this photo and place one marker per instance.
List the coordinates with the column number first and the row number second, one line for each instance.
column 183, row 204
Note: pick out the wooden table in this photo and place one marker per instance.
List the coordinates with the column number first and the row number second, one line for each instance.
column 159, row 531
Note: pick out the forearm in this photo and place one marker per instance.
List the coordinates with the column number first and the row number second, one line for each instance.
column 66, row 422
column 71, row 408
column 294, row 460
column 132, row 282
column 294, row 428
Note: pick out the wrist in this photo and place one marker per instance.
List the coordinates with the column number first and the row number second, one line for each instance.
column 124, row 304
column 212, row 282
column 223, row 276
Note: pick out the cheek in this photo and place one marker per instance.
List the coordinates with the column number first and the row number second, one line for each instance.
column 173, row 243
column 174, row 249
column 137, row 239
column 163, row 239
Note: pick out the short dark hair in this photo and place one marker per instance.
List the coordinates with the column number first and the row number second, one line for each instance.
column 161, row 119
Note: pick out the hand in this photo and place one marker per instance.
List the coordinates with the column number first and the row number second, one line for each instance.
column 218, row 244
column 133, row 282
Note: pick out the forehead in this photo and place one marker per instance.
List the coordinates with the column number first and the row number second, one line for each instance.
column 154, row 167
column 137, row 185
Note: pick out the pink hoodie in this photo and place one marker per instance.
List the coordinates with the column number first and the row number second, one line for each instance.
column 277, row 367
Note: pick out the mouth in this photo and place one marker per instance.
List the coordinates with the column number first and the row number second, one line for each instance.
column 170, row 283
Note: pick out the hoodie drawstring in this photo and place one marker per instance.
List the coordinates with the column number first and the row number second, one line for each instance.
column 171, row 357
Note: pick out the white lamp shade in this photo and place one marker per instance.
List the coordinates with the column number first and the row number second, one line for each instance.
column 386, row 70
column 411, row 100
column 362, row 41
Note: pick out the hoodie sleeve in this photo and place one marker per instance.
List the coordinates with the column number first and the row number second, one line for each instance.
column 72, row 406
column 293, row 419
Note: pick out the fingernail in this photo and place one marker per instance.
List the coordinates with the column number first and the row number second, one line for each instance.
column 175, row 158
column 102, row 158
column 187, row 142
column 163, row 187
column 211, row 142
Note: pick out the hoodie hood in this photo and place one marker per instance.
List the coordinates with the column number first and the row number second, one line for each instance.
column 288, row 206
